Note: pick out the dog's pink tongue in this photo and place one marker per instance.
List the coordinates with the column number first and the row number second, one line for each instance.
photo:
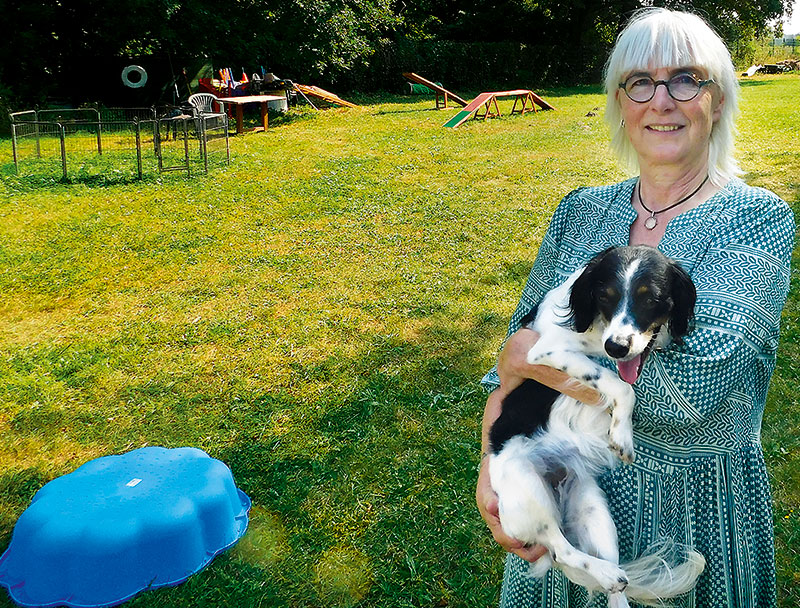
column 629, row 370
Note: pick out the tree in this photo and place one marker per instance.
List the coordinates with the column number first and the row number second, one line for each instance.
column 75, row 50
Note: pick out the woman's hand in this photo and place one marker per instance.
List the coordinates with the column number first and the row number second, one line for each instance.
column 486, row 498
column 487, row 505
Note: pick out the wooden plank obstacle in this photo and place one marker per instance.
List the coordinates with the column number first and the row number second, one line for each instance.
column 313, row 91
column 442, row 94
column 527, row 101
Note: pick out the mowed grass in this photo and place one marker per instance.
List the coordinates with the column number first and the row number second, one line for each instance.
column 318, row 316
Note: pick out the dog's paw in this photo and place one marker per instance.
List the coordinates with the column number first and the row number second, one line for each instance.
column 538, row 356
column 611, row 578
column 620, row 441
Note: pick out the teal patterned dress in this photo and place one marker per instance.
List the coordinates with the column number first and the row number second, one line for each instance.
column 699, row 475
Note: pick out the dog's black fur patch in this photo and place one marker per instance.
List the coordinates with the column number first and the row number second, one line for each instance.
column 525, row 411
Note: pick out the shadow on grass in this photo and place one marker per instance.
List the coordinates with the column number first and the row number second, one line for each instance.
column 417, row 110
column 384, row 469
column 28, row 182
column 752, row 83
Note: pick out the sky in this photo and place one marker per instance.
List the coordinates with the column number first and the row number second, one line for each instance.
column 792, row 26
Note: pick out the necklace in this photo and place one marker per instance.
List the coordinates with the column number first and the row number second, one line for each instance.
column 651, row 222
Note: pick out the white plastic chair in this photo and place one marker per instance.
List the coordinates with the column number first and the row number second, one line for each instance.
column 203, row 110
column 203, row 103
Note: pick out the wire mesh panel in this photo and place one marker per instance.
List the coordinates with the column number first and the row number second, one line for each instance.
column 66, row 115
column 120, row 143
column 106, row 148
column 172, row 136
column 127, row 114
column 216, row 140
column 38, row 147
column 147, row 147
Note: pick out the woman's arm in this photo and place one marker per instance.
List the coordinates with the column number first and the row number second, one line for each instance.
column 742, row 282
column 485, row 497
column 513, row 369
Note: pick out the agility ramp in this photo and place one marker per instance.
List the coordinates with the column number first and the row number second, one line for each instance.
column 524, row 101
column 322, row 94
column 442, row 94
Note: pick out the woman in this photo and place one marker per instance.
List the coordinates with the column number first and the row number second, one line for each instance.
column 699, row 475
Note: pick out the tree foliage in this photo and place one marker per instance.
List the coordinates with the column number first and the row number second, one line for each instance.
column 75, row 49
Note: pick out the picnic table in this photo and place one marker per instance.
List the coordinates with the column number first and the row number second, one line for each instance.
column 239, row 102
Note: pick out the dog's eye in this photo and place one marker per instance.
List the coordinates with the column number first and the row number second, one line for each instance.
column 607, row 295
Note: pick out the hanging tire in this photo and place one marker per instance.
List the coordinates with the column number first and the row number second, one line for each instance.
column 134, row 77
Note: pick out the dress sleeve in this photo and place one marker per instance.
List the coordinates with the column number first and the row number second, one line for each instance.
column 742, row 283
column 542, row 278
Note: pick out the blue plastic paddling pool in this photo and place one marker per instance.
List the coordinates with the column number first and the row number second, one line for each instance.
column 121, row 524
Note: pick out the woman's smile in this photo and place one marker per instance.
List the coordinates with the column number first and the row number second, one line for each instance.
column 664, row 128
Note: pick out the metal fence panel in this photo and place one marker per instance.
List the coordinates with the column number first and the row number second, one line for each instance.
column 38, row 147
column 119, row 142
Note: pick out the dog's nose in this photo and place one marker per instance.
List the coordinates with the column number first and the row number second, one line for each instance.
column 616, row 349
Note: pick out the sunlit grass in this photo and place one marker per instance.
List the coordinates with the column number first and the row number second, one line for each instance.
column 317, row 315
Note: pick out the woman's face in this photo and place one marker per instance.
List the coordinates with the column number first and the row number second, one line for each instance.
column 669, row 133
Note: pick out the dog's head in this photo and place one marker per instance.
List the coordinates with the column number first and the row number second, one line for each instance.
column 630, row 293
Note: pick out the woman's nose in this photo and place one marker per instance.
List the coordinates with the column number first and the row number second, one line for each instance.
column 661, row 97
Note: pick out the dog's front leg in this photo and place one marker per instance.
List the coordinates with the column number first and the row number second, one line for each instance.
column 618, row 394
column 620, row 433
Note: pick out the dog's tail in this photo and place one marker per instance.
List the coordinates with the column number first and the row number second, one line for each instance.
column 665, row 571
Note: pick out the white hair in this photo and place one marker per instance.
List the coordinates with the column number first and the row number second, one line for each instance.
column 660, row 38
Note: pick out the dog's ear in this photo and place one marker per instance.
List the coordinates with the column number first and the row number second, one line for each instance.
column 582, row 298
column 683, row 298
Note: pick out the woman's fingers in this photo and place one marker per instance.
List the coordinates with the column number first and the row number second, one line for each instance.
column 490, row 511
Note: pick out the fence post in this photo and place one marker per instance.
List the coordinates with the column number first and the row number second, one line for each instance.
column 99, row 129
column 186, row 146
column 138, row 146
column 204, row 142
column 227, row 143
column 157, row 145
column 36, row 130
column 63, row 150
column 14, row 145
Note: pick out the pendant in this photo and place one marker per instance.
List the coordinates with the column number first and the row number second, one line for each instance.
column 651, row 222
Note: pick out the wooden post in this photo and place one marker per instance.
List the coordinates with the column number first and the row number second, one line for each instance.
column 264, row 115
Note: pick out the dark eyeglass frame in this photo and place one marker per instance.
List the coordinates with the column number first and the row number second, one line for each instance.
column 700, row 85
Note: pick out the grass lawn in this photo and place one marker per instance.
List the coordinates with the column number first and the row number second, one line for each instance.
column 318, row 316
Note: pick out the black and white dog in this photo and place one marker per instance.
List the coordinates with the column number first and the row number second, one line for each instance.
column 546, row 449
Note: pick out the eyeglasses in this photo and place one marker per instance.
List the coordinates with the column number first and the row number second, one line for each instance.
column 681, row 87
